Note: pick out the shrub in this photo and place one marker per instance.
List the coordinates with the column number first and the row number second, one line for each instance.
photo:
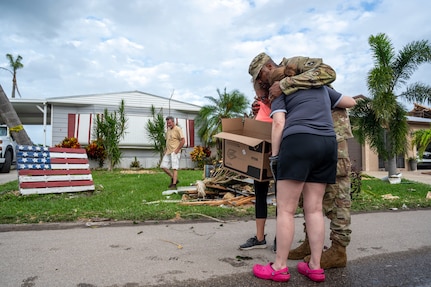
column 96, row 151
column 69, row 143
column 201, row 155
column 135, row 163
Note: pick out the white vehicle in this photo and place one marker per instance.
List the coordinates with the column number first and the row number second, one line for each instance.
column 7, row 149
column 425, row 161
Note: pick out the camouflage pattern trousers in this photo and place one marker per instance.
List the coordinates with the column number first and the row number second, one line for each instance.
column 337, row 201
column 336, row 206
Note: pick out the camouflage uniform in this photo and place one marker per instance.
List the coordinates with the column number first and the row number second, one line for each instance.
column 293, row 73
column 309, row 73
column 337, row 201
column 312, row 72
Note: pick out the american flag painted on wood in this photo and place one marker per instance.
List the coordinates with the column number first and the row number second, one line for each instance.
column 53, row 170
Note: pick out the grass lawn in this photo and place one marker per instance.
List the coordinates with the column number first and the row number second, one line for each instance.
column 120, row 196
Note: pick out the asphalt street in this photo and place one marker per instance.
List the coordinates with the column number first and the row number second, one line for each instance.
column 387, row 249
column 390, row 249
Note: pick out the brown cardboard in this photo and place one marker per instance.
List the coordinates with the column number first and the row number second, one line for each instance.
column 246, row 147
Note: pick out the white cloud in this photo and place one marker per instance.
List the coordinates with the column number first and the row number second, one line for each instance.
column 192, row 47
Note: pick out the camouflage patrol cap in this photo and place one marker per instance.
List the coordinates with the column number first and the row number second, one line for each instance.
column 256, row 65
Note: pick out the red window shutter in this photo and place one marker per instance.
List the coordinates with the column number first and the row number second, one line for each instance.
column 71, row 125
column 191, row 133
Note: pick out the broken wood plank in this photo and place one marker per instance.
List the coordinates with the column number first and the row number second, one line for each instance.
column 246, row 200
column 215, row 186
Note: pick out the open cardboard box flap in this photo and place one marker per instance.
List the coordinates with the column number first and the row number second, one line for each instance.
column 239, row 138
column 251, row 132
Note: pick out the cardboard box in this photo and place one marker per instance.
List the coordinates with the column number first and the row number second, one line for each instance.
column 246, row 147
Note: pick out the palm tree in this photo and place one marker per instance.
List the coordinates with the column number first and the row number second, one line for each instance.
column 381, row 120
column 228, row 105
column 156, row 130
column 111, row 128
column 15, row 65
column 421, row 138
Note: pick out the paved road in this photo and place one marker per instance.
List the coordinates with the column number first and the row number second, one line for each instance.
column 6, row 177
column 387, row 249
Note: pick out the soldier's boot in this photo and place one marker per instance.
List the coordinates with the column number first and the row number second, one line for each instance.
column 301, row 251
column 334, row 257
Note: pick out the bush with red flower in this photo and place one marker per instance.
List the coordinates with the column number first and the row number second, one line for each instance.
column 69, row 143
column 201, row 155
column 96, row 151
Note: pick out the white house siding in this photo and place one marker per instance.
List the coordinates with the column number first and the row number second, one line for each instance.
column 138, row 110
column 59, row 116
column 149, row 159
column 135, row 143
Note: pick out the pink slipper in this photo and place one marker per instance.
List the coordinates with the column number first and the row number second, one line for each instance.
column 317, row 275
column 268, row 273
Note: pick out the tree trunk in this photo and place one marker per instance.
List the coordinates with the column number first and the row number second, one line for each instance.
column 10, row 117
column 392, row 166
column 391, row 162
column 13, row 86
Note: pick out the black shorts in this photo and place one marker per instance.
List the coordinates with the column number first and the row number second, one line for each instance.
column 308, row 158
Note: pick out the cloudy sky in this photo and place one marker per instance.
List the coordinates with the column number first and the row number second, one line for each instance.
column 191, row 48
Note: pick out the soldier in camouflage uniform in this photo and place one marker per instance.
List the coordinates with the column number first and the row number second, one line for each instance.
column 292, row 74
column 304, row 73
column 337, row 201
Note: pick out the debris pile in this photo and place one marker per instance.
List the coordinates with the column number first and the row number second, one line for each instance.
column 222, row 188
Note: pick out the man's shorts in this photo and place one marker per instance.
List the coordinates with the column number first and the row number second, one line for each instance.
column 171, row 161
column 308, row 158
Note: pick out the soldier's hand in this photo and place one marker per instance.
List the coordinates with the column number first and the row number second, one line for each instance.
column 276, row 74
column 275, row 91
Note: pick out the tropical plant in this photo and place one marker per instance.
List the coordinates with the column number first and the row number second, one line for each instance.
column 10, row 116
column 381, row 120
column 110, row 128
column 421, row 139
column 15, row 65
column 69, row 143
column 209, row 119
column 201, row 155
column 135, row 163
column 96, row 151
column 156, row 129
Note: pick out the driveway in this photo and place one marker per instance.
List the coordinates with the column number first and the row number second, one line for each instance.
column 7, row 177
column 420, row 175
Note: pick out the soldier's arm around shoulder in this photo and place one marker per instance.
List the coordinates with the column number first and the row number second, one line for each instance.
column 310, row 73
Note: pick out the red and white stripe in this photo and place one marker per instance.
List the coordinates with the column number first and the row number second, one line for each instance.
column 69, row 171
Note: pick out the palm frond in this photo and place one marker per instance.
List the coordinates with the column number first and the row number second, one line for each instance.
column 421, row 138
column 409, row 59
column 417, row 92
column 381, row 121
column 382, row 50
column 227, row 105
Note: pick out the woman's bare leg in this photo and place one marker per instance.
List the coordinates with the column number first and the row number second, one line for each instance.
column 288, row 192
column 313, row 197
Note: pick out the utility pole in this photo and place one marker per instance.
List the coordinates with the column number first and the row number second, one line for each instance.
column 172, row 94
